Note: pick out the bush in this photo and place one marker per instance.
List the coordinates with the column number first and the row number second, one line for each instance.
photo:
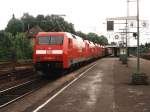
column 15, row 47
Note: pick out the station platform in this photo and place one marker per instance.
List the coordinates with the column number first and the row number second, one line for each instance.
column 90, row 93
column 103, row 88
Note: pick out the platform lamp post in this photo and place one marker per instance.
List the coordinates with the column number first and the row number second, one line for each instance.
column 138, row 36
column 139, row 78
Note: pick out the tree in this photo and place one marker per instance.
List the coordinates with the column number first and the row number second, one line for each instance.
column 5, row 45
column 41, row 22
column 23, row 47
column 54, row 23
column 97, row 39
column 15, row 47
column 14, row 26
column 92, row 37
column 59, row 24
column 29, row 21
column 81, row 34
column 104, row 40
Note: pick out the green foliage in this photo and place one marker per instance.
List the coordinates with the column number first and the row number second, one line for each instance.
column 14, row 26
column 5, row 45
column 14, row 47
column 81, row 34
column 97, row 39
column 54, row 23
column 29, row 21
column 47, row 23
column 23, row 47
column 144, row 48
column 92, row 37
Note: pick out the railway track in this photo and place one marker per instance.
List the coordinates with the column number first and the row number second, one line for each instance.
column 17, row 74
column 145, row 56
column 14, row 93
column 13, row 64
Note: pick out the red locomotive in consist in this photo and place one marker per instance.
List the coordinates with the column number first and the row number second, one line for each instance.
column 62, row 50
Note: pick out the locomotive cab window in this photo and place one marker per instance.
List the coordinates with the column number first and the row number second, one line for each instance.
column 51, row 40
column 43, row 40
column 58, row 40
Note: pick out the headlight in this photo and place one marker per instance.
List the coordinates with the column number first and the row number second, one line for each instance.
column 40, row 51
column 57, row 51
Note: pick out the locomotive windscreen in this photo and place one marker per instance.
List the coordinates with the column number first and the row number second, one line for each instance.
column 50, row 40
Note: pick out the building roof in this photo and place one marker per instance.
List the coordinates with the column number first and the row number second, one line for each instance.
column 31, row 33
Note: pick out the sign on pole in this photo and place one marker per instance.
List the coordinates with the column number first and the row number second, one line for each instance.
column 110, row 25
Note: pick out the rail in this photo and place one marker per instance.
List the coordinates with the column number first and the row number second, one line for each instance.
column 12, row 94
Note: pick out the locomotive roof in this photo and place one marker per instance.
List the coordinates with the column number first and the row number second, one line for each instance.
column 40, row 33
column 69, row 35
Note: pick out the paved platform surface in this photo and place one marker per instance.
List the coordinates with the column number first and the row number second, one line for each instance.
column 105, row 88
column 91, row 93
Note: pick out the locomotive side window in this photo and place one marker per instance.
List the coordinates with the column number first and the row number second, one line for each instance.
column 51, row 40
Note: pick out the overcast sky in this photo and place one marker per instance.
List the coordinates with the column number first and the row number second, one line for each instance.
column 86, row 15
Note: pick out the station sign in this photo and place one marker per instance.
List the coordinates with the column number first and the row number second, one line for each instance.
column 143, row 24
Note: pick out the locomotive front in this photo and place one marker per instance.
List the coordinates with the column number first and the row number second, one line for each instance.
column 48, row 51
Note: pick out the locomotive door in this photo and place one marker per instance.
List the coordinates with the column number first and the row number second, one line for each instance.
column 70, row 50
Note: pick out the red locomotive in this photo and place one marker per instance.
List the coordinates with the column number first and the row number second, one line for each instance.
column 62, row 50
